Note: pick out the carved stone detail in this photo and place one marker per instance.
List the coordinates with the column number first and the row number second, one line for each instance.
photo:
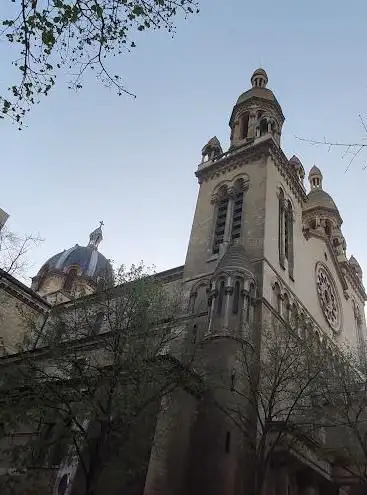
column 328, row 298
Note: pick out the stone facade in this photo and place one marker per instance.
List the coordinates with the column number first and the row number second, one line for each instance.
column 17, row 303
column 288, row 239
column 261, row 250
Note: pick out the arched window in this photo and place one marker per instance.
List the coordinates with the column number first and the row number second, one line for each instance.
column 237, row 210
column 236, row 297
column 287, row 308
column 277, row 302
column 220, row 297
column 244, row 125
column 192, row 299
column 250, row 304
column 201, row 300
column 69, row 279
column 221, row 216
column 328, row 228
column 263, row 127
column 281, row 226
column 289, row 221
column 285, row 234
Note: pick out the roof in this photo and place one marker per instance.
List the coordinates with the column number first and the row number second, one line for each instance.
column 263, row 93
column 315, row 171
column 235, row 257
column 294, row 160
column 321, row 199
column 260, row 72
column 22, row 289
column 89, row 260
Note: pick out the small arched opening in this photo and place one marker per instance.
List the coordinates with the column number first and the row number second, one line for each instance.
column 244, row 125
column 263, row 127
column 70, row 278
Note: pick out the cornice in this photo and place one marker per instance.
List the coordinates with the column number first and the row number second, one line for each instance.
column 287, row 172
column 327, row 212
column 21, row 292
column 238, row 157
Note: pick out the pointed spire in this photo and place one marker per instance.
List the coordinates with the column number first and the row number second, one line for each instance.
column 96, row 237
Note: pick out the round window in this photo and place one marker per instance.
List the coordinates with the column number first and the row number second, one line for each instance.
column 328, row 298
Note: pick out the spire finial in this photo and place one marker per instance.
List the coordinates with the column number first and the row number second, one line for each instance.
column 96, row 237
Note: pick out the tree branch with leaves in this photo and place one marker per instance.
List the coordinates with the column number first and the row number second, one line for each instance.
column 101, row 386
column 74, row 37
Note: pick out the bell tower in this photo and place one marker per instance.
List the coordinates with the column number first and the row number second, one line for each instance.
column 222, row 283
column 232, row 184
column 257, row 113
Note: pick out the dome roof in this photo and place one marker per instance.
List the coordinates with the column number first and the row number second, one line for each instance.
column 314, row 171
column 264, row 93
column 235, row 257
column 321, row 199
column 88, row 259
column 259, row 80
column 260, row 72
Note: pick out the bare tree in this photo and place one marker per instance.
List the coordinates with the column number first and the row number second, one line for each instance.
column 76, row 36
column 92, row 385
column 349, row 150
column 272, row 393
column 343, row 392
column 14, row 249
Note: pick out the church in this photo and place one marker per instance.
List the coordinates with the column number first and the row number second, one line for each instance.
column 266, row 242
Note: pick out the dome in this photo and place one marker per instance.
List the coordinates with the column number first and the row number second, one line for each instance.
column 315, row 171
column 259, row 80
column 235, row 257
column 318, row 198
column 83, row 264
column 264, row 93
column 259, row 72
column 91, row 263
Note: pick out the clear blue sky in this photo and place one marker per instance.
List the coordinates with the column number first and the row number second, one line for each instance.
column 91, row 156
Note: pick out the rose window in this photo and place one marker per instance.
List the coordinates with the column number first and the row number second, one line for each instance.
column 328, row 298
